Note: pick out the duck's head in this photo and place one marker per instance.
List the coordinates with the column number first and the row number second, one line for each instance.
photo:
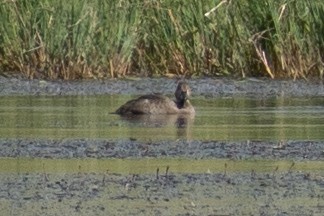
column 182, row 92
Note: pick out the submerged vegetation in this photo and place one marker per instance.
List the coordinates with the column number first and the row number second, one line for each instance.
column 95, row 39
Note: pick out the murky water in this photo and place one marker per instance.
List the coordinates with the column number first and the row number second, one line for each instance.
column 216, row 119
column 149, row 165
column 59, row 117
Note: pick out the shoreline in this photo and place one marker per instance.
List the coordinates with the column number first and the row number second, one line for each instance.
column 203, row 87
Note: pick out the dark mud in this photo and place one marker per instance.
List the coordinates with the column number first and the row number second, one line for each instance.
column 101, row 149
column 200, row 87
column 233, row 193
column 282, row 193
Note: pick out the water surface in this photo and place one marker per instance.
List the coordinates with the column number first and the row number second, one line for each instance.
column 149, row 165
column 216, row 119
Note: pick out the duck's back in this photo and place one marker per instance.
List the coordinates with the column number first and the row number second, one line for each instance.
column 149, row 104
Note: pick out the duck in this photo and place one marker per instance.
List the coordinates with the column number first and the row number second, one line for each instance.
column 157, row 104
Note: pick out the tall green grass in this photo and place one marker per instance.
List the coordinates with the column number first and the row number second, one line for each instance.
column 94, row 39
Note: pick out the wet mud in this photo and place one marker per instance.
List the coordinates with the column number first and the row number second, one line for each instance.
column 163, row 192
column 207, row 87
column 282, row 193
column 130, row 148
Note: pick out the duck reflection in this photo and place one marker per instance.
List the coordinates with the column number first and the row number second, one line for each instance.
column 181, row 123
column 177, row 120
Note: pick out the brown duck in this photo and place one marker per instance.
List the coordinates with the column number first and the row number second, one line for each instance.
column 158, row 104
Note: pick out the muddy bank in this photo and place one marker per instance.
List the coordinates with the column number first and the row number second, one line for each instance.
column 88, row 148
column 282, row 193
column 200, row 87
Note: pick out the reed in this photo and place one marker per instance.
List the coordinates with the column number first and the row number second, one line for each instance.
column 96, row 39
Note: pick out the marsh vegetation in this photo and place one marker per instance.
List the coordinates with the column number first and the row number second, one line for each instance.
column 97, row 39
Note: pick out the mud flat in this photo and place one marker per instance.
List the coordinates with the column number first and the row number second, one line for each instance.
column 162, row 191
column 287, row 193
column 200, row 87
column 103, row 149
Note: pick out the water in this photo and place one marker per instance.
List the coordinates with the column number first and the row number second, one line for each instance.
column 216, row 119
column 149, row 165
column 34, row 184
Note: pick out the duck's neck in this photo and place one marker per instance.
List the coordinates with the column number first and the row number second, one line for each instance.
column 180, row 103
